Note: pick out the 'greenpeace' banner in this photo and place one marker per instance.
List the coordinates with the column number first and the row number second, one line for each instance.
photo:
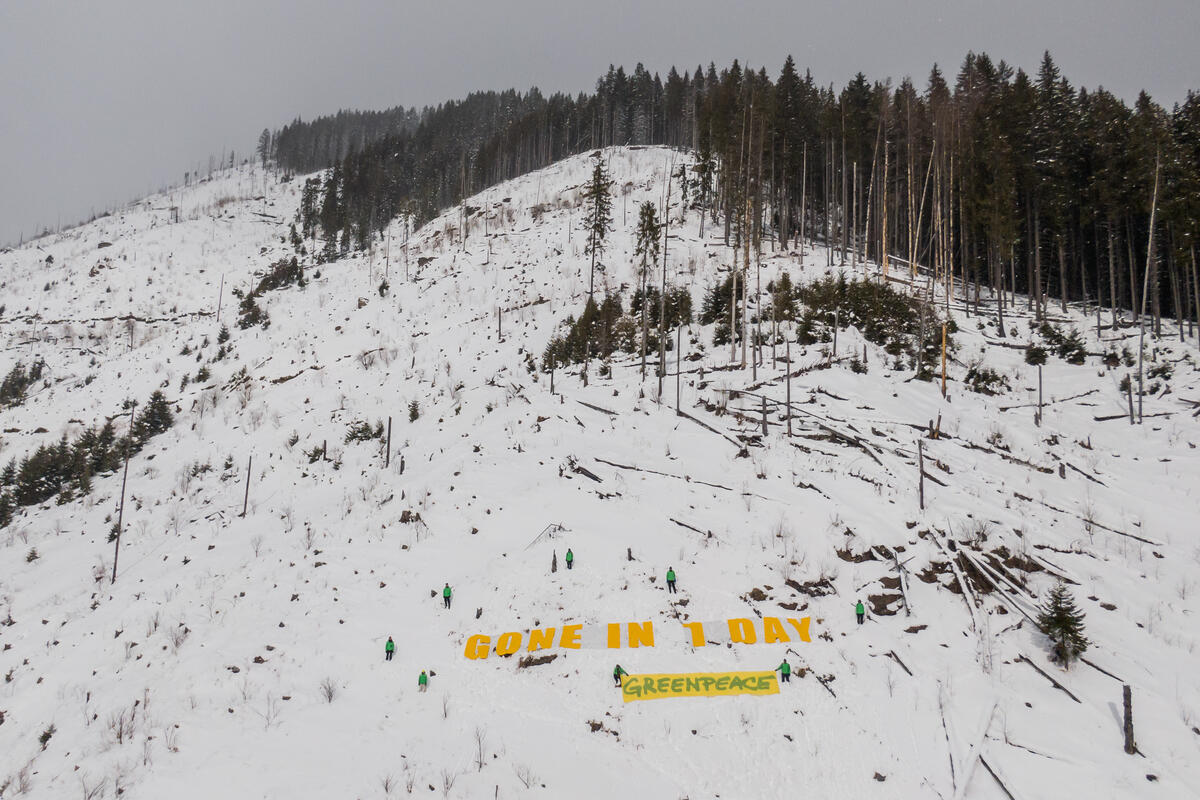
column 696, row 684
column 615, row 635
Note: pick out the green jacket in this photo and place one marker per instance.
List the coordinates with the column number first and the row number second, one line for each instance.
column 785, row 668
column 446, row 592
column 670, row 574
column 570, row 556
column 424, row 679
column 859, row 609
column 618, row 672
column 390, row 646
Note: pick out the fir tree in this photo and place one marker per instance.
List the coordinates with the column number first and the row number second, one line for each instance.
column 783, row 294
column 598, row 219
column 155, row 418
column 648, row 232
column 1062, row 621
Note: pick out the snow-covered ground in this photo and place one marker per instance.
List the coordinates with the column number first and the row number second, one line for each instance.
column 199, row 672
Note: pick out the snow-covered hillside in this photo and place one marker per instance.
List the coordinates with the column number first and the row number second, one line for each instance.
column 200, row 672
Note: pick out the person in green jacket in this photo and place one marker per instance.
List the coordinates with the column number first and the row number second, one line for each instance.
column 671, row 580
column 617, row 673
column 446, row 595
column 570, row 558
column 389, row 649
column 422, row 682
column 861, row 611
column 785, row 671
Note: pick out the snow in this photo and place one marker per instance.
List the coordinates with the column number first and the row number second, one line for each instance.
column 320, row 571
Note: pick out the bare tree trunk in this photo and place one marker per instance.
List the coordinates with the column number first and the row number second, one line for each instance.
column 733, row 309
column 1000, row 304
column 1196, row 290
column 1112, row 273
column 1037, row 262
column 1171, row 272
column 1062, row 271
column 745, row 277
column 645, row 302
column 788, row 357
column 883, row 216
column 1134, row 307
column 1149, row 261
column 803, row 196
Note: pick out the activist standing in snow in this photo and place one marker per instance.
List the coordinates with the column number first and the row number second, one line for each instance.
column 422, row 682
column 785, row 671
column 861, row 611
column 617, row 673
column 446, row 595
column 570, row 558
column 389, row 649
column 671, row 580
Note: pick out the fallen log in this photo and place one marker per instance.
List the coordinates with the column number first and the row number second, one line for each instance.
column 705, row 425
column 1050, row 678
column 996, row 777
column 684, row 478
column 1051, row 402
column 896, row 658
column 597, row 408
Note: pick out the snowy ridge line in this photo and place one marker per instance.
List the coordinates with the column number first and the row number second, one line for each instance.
column 254, row 641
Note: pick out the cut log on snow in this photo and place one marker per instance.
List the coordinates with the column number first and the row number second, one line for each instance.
column 1000, row 584
column 577, row 468
column 684, row 478
column 1100, row 669
column 1090, row 522
column 690, row 527
column 996, row 777
column 974, row 755
column 837, row 435
column 968, row 595
column 547, row 533
column 1055, row 570
column 901, row 573
column 597, row 408
column 929, row 477
column 1125, row 416
column 1050, row 678
column 706, row 426
column 1050, row 402
column 1084, row 474
column 896, row 658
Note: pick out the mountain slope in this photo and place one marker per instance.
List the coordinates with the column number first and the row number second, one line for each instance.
column 221, row 628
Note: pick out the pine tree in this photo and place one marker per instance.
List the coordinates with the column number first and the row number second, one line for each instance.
column 598, row 219
column 647, row 249
column 1062, row 621
column 784, row 297
column 155, row 418
column 264, row 146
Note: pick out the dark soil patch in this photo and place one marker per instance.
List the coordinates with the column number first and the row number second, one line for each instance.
column 933, row 572
column 881, row 604
column 817, row 588
column 535, row 661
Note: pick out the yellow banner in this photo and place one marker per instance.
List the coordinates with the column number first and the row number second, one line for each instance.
column 697, row 684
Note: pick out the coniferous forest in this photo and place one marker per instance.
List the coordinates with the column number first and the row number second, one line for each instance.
column 991, row 181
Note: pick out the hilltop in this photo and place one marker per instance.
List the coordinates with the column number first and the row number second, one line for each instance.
column 244, row 652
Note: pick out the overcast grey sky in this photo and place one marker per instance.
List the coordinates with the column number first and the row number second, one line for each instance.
column 101, row 102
